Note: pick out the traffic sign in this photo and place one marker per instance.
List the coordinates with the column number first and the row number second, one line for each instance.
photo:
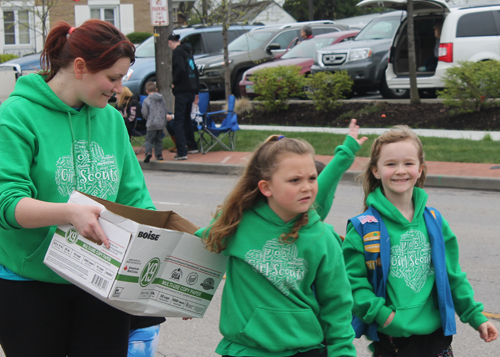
column 159, row 12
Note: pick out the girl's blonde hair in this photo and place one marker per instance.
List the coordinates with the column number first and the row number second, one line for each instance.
column 396, row 134
column 125, row 97
column 262, row 165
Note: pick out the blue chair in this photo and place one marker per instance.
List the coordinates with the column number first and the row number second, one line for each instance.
column 139, row 130
column 212, row 134
column 203, row 102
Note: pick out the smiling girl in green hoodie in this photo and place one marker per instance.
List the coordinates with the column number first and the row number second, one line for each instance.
column 402, row 259
column 278, row 249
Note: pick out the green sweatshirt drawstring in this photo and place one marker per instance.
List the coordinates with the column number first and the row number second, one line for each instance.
column 73, row 151
column 89, row 131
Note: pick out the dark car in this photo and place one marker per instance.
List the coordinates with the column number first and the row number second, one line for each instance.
column 365, row 58
column 301, row 55
column 257, row 46
column 203, row 40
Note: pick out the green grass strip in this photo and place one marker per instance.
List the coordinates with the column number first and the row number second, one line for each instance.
column 436, row 149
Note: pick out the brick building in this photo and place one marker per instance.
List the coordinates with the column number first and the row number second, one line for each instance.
column 20, row 23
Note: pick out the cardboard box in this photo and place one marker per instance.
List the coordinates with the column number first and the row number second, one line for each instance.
column 154, row 266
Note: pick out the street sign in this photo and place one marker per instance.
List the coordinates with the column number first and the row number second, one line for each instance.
column 159, row 12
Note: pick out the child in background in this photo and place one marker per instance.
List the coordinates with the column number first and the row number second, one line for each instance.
column 154, row 111
column 129, row 107
column 278, row 248
column 402, row 259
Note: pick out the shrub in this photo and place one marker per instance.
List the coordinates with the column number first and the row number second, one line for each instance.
column 326, row 88
column 138, row 37
column 276, row 85
column 471, row 86
column 7, row 57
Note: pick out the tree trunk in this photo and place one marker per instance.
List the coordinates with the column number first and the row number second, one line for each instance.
column 414, row 97
column 204, row 11
column 311, row 10
column 225, row 25
column 163, row 55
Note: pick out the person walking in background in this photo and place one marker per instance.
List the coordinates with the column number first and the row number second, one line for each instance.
column 129, row 107
column 402, row 259
column 286, row 287
column 185, row 87
column 64, row 137
column 154, row 111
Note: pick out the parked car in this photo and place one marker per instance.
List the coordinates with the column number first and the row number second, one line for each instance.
column 203, row 40
column 24, row 65
column 365, row 57
column 301, row 55
column 468, row 33
column 259, row 45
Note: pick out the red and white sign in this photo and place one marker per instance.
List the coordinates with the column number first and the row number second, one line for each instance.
column 159, row 12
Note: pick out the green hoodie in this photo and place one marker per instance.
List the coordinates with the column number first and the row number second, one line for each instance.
column 40, row 139
column 268, row 305
column 411, row 284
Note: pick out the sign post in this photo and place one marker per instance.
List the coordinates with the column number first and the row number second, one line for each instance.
column 159, row 12
column 161, row 19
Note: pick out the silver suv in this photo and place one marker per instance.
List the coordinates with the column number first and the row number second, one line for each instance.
column 257, row 46
column 365, row 57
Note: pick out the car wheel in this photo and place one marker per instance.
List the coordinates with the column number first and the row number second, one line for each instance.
column 235, row 86
column 149, row 79
column 389, row 93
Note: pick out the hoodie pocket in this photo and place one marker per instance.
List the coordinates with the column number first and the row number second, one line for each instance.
column 278, row 330
column 34, row 262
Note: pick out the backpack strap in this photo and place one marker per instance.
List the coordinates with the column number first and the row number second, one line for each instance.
column 434, row 223
column 377, row 249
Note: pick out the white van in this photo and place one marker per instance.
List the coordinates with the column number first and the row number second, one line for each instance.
column 469, row 33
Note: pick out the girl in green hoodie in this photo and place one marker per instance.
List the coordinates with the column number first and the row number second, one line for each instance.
column 279, row 248
column 58, row 134
column 416, row 259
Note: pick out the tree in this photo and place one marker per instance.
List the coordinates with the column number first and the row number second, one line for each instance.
column 163, row 55
column 39, row 11
column 227, row 15
column 414, row 97
column 323, row 9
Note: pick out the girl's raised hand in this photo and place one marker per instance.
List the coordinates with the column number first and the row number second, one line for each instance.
column 487, row 331
column 353, row 131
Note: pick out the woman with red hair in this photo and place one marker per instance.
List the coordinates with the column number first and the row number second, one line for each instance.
column 58, row 134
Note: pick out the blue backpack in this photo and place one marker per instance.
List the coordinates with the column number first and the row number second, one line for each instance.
column 377, row 246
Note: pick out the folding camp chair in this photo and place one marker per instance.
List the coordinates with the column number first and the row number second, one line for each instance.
column 139, row 130
column 212, row 134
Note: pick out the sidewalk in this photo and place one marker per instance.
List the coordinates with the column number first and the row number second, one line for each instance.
column 440, row 174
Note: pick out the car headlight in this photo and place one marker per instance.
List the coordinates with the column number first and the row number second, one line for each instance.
column 360, row 54
column 128, row 75
column 219, row 64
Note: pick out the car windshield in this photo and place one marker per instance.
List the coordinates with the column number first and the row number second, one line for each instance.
column 379, row 28
column 307, row 49
column 146, row 48
column 249, row 41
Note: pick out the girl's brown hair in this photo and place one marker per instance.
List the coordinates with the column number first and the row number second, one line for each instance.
column 98, row 42
column 262, row 165
column 125, row 97
column 396, row 134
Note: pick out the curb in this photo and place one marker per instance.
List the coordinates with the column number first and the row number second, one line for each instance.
column 438, row 181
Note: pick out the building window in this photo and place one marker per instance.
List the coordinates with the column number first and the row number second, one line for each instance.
column 106, row 14
column 16, row 27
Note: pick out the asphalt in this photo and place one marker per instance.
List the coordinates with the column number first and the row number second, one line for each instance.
column 440, row 174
